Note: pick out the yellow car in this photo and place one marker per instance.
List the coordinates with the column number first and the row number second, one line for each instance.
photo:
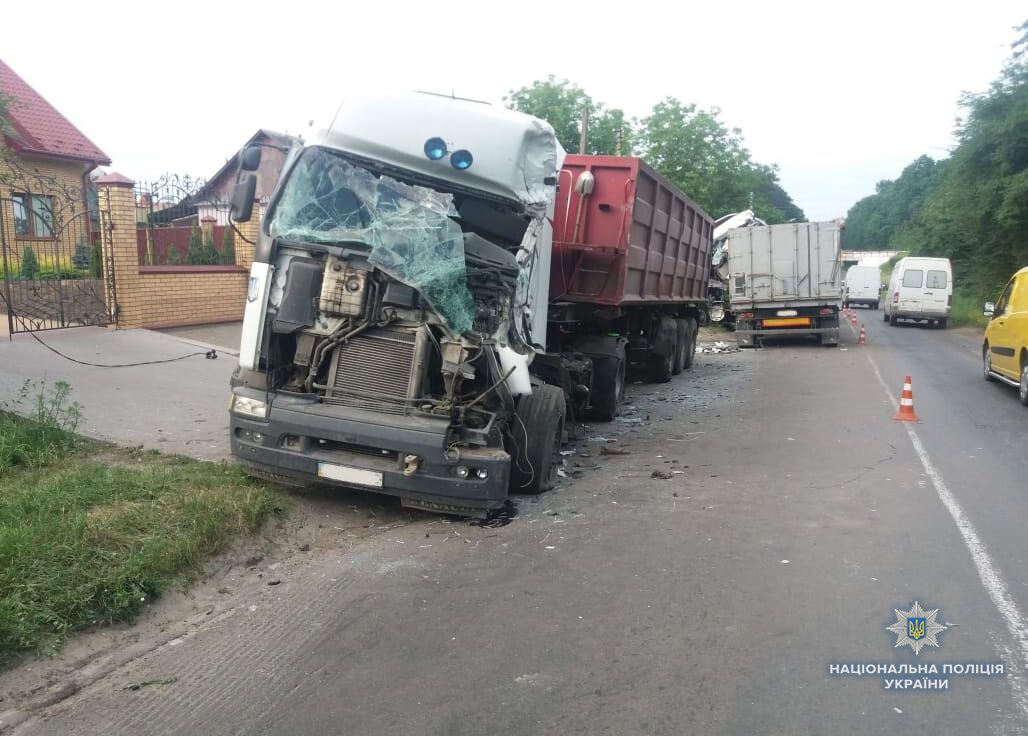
column 1005, row 351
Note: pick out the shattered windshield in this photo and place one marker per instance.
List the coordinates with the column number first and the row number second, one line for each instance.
column 408, row 228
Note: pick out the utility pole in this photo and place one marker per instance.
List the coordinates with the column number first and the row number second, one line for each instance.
column 584, row 137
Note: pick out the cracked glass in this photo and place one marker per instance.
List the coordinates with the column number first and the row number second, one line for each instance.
column 407, row 228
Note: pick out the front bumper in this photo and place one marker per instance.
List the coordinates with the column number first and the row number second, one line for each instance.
column 299, row 434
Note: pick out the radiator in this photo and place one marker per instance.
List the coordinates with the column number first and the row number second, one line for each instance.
column 377, row 370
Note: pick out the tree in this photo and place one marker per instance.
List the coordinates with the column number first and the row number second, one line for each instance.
column 228, row 247
column 557, row 101
column 174, row 257
column 95, row 261
column 562, row 104
column 195, row 251
column 80, row 259
column 210, row 253
column 708, row 161
column 29, row 263
column 691, row 147
column 973, row 207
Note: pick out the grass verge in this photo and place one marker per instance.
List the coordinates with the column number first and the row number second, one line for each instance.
column 967, row 310
column 89, row 534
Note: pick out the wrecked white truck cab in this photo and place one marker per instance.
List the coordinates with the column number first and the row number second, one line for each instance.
column 397, row 299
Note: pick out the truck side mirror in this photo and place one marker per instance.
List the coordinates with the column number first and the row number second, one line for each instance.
column 241, row 204
column 250, row 159
column 990, row 309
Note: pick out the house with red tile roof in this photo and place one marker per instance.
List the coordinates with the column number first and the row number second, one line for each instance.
column 45, row 163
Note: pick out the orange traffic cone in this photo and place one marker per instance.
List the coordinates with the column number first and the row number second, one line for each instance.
column 853, row 319
column 862, row 340
column 906, row 411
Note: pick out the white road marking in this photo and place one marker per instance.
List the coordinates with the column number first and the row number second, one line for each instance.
column 995, row 586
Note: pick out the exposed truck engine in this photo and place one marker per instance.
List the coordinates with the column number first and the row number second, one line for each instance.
column 400, row 334
column 396, row 301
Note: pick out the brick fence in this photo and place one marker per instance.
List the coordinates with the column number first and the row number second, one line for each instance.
column 168, row 296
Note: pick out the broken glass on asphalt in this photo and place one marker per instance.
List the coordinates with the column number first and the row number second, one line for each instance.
column 408, row 228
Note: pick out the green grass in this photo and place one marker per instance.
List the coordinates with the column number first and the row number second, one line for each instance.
column 89, row 533
column 967, row 309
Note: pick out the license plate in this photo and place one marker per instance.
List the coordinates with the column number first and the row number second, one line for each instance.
column 345, row 474
column 788, row 322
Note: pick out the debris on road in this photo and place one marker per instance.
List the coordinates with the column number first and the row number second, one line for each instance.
column 718, row 347
column 661, row 475
column 613, row 451
column 150, row 683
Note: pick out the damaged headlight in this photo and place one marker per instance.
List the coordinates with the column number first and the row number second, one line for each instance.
column 249, row 407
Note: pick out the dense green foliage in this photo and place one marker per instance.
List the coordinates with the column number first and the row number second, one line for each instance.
column 691, row 147
column 972, row 207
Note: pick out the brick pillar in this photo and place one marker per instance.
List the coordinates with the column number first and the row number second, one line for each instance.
column 118, row 221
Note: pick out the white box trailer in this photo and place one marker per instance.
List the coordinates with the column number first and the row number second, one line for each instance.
column 786, row 280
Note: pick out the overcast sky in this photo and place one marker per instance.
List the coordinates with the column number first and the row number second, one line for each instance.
column 839, row 96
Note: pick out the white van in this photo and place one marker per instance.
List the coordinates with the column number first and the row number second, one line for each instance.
column 920, row 289
column 863, row 286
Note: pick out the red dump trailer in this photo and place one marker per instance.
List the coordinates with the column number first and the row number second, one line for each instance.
column 628, row 273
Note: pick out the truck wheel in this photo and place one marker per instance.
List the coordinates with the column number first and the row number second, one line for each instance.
column 941, row 323
column 662, row 367
column 536, row 445
column 892, row 320
column 690, row 351
column 608, row 383
column 681, row 345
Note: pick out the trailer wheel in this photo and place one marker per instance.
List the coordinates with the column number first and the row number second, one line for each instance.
column 608, row 382
column 662, row 367
column 536, row 445
column 690, row 352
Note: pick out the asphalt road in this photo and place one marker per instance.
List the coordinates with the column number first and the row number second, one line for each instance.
column 797, row 516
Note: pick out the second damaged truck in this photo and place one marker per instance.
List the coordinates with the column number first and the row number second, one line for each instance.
column 397, row 336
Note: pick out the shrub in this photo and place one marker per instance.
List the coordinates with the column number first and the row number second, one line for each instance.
column 29, row 263
column 228, row 247
column 174, row 259
column 210, row 253
column 80, row 260
column 95, row 262
column 195, row 254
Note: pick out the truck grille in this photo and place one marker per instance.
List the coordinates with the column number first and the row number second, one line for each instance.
column 376, row 371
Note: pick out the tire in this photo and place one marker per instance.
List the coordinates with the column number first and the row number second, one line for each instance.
column 681, row 344
column 987, row 363
column 661, row 367
column 885, row 316
column 878, row 306
column 608, row 383
column 941, row 323
column 892, row 320
column 536, row 457
column 1022, row 388
column 690, row 351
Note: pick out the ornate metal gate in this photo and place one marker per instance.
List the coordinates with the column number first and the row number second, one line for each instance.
column 58, row 268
